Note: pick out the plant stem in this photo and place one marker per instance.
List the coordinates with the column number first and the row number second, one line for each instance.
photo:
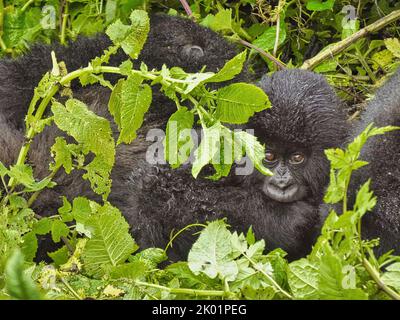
column 195, row 292
column 274, row 283
column 186, row 6
column 345, row 43
column 277, row 35
column 76, row 295
column 169, row 244
column 269, row 56
column 64, row 22
column 375, row 276
column 2, row 44
column 26, row 5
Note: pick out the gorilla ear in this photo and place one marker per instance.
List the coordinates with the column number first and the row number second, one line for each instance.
column 192, row 52
column 265, row 82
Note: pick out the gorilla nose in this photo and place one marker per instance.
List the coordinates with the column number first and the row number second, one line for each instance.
column 282, row 183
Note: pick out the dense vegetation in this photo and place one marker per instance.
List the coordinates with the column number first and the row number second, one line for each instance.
column 222, row 263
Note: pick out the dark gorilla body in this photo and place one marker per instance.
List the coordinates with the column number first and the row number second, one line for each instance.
column 383, row 154
column 172, row 41
column 283, row 209
column 304, row 120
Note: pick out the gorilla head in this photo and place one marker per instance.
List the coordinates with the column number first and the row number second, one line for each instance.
column 304, row 121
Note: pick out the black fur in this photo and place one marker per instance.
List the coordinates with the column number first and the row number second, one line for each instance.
column 305, row 113
column 156, row 199
column 169, row 42
column 383, row 154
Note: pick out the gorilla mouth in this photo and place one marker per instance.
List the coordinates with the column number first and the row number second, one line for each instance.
column 288, row 194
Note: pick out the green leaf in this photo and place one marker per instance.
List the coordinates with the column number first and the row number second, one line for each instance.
column 95, row 135
column 237, row 102
column 152, row 257
column 29, row 246
column 211, row 254
column 392, row 276
column 3, row 170
column 254, row 150
column 320, row 5
column 393, row 44
column 59, row 229
column 23, row 174
column 208, row 147
column 131, row 38
column 332, row 281
column 62, row 155
column 266, row 40
column 115, row 103
column 134, row 103
column 303, row 279
column 110, row 244
column 231, row 69
column 178, row 142
column 43, row 226
column 131, row 270
column 59, row 256
column 19, row 285
column 221, row 21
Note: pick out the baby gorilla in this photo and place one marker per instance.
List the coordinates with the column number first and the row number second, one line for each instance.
column 382, row 152
column 304, row 120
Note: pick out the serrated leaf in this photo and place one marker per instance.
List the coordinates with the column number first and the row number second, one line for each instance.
column 331, row 279
column 110, row 244
column 303, row 279
column 392, row 276
column 207, row 148
column 19, row 285
column 254, row 150
column 94, row 134
column 211, row 254
column 62, row 155
column 237, row 102
column 231, row 69
column 221, row 21
column 178, row 142
column 134, row 103
column 393, row 44
column 131, row 38
column 267, row 39
column 29, row 246
column 59, row 229
column 320, row 5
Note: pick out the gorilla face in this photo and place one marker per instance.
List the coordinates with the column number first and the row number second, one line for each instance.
column 287, row 164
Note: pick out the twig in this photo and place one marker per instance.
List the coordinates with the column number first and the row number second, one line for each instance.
column 64, row 22
column 374, row 274
column 345, row 43
column 278, row 31
column 26, row 5
column 269, row 56
column 187, row 8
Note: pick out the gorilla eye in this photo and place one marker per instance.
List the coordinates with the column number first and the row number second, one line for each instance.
column 297, row 158
column 192, row 51
column 270, row 157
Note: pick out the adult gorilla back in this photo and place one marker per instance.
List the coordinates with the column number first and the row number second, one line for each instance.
column 383, row 154
column 172, row 41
